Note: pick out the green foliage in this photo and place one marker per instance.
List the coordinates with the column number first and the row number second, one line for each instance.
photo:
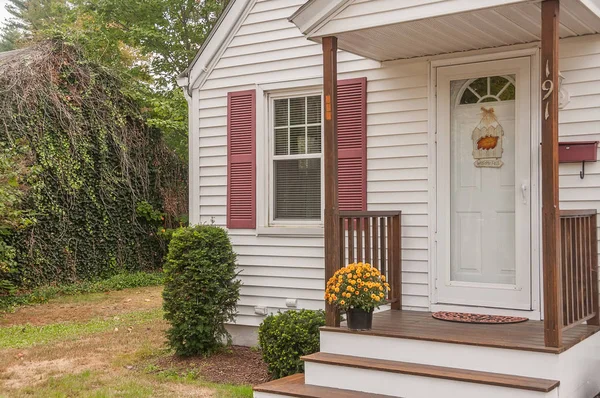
column 285, row 337
column 43, row 294
column 151, row 41
column 13, row 171
column 23, row 336
column 99, row 176
column 201, row 290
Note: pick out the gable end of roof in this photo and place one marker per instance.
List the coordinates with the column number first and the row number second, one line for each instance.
column 314, row 12
column 223, row 31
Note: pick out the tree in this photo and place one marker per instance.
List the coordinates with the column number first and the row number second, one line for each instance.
column 9, row 38
column 152, row 41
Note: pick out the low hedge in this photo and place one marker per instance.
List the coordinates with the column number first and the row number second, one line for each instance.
column 285, row 337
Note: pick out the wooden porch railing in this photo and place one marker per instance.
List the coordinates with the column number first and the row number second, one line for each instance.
column 579, row 267
column 374, row 237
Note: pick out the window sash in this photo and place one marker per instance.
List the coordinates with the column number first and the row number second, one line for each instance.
column 273, row 158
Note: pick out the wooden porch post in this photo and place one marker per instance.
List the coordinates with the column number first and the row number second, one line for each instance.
column 550, row 207
column 330, row 154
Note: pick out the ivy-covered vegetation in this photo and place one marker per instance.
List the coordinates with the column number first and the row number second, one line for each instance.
column 286, row 337
column 86, row 186
column 201, row 289
column 149, row 41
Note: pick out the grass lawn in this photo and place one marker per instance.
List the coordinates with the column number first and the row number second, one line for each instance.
column 106, row 345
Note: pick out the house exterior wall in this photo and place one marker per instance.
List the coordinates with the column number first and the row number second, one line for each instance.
column 268, row 50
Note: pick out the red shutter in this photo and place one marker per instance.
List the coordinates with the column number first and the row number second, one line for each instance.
column 241, row 159
column 352, row 144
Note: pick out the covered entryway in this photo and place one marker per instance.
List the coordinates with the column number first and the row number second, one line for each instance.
column 484, row 178
column 488, row 200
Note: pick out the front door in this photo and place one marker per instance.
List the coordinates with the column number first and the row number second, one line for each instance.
column 483, row 184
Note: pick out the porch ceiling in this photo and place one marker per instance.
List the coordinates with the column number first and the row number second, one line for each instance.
column 493, row 27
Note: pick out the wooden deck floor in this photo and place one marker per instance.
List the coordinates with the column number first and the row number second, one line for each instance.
column 527, row 336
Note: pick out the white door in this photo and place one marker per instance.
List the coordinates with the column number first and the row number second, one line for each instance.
column 483, row 184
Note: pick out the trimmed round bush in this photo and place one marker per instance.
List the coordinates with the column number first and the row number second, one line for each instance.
column 201, row 289
column 285, row 337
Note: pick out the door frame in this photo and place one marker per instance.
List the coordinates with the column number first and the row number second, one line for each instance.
column 536, row 304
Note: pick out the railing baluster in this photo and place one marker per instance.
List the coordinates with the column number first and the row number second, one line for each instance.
column 580, row 263
column 376, row 262
column 359, row 240
column 382, row 249
column 368, row 242
column 351, row 239
column 595, row 320
column 343, row 241
column 564, row 268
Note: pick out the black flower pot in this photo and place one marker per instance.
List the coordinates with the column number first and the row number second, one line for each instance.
column 358, row 319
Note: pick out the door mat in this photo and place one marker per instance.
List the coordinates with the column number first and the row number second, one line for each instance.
column 464, row 317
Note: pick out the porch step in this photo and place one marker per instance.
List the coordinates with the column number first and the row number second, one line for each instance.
column 294, row 386
column 417, row 380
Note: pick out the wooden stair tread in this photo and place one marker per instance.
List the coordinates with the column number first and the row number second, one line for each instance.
column 440, row 372
column 294, row 386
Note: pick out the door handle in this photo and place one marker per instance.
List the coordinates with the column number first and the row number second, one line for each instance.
column 524, row 193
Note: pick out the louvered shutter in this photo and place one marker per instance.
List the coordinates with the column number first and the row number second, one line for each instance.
column 241, row 159
column 352, row 144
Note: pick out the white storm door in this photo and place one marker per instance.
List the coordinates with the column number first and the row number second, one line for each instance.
column 483, row 184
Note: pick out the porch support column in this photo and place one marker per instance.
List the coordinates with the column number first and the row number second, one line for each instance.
column 330, row 154
column 550, row 206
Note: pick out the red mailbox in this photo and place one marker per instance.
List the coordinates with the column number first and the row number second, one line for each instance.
column 578, row 151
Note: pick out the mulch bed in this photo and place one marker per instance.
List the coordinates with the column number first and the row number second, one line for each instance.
column 238, row 365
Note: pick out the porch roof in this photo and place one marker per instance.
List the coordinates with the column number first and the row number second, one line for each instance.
column 386, row 30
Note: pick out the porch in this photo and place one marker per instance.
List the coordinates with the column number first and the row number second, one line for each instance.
column 375, row 238
column 416, row 325
column 568, row 283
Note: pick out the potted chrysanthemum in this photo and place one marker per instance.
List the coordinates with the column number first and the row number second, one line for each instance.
column 357, row 289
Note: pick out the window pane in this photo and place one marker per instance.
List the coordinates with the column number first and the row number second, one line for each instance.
column 497, row 83
column 297, row 111
column 314, row 139
column 508, row 94
column 298, row 140
column 468, row 98
column 281, row 112
column 314, row 109
column 480, row 86
column 281, row 141
column 298, row 189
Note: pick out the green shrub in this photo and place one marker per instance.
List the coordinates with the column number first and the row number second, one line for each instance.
column 285, row 337
column 201, row 290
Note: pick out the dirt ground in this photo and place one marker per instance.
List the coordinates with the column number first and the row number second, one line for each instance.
column 127, row 361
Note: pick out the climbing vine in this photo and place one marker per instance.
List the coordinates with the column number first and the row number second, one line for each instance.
column 100, row 184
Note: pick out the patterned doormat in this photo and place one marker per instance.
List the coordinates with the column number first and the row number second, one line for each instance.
column 464, row 317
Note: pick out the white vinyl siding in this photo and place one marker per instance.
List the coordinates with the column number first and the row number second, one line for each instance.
column 580, row 119
column 268, row 49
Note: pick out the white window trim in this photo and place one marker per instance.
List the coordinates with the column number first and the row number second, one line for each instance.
column 266, row 225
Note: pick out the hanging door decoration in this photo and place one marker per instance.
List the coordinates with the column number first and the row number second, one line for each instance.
column 487, row 140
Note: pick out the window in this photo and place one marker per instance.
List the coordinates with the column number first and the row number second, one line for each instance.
column 296, row 158
column 489, row 89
